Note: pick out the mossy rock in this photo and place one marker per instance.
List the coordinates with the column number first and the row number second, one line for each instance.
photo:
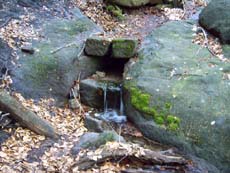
column 129, row 3
column 92, row 140
column 57, row 60
column 190, row 84
column 124, row 47
column 215, row 18
column 97, row 46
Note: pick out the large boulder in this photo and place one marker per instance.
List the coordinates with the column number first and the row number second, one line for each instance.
column 215, row 18
column 176, row 94
column 57, row 60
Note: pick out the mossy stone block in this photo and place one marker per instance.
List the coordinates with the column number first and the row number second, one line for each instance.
column 124, row 47
column 97, row 46
column 130, row 3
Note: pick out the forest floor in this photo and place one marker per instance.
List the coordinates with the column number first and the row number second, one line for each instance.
column 25, row 151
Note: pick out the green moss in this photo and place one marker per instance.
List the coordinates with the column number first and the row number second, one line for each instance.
column 123, row 47
column 73, row 27
column 159, row 120
column 43, row 67
column 172, row 119
column 173, row 127
column 141, row 101
column 168, row 106
column 173, row 122
column 116, row 11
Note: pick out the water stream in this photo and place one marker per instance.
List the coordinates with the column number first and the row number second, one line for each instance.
column 112, row 113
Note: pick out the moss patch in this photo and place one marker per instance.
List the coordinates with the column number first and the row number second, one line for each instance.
column 115, row 11
column 72, row 27
column 124, row 48
column 141, row 101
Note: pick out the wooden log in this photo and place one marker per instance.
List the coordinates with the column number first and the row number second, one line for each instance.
column 24, row 116
column 119, row 152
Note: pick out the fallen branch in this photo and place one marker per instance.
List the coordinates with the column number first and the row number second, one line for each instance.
column 24, row 116
column 77, row 98
column 121, row 151
column 65, row 46
column 6, row 22
column 206, row 40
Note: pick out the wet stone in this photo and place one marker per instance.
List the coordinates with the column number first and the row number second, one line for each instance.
column 94, row 124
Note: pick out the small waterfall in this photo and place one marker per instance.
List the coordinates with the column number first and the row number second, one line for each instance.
column 105, row 98
column 113, row 114
column 121, row 102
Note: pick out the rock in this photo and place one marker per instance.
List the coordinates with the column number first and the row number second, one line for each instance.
column 100, row 74
column 174, row 3
column 53, row 68
column 124, row 47
column 154, row 2
column 93, row 140
column 177, row 96
column 130, row 3
column 95, row 125
column 5, row 54
column 73, row 104
column 27, row 49
column 3, row 136
column 92, row 93
column 226, row 50
column 135, row 3
column 97, row 46
column 215, row 18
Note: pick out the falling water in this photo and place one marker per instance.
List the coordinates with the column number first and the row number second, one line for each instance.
column 112, row 114
column 105, row 98
column 121, row 102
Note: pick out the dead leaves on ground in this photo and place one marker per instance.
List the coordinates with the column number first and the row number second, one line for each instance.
column 19, row 31
column 13, row 154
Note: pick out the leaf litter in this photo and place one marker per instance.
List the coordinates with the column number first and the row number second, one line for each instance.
column 69, row 123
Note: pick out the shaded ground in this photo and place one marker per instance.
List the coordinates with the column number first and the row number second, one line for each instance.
column 21, row 149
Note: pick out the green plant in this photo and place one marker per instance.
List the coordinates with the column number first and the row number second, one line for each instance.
column 116, row 11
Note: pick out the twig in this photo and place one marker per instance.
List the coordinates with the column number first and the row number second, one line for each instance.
column 78, row 98
column 122, row 158
column 65, row 46
column 119, row 135
column 4, row 115
column 82, row 49
column 6, row 22
column 206, row 40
